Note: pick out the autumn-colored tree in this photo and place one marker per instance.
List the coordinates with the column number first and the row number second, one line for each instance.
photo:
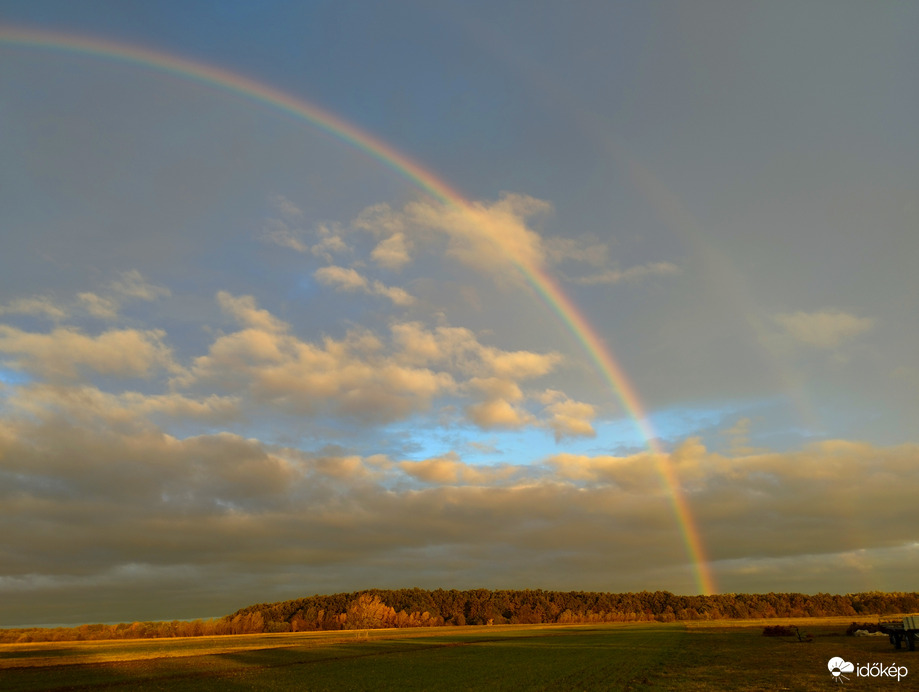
column 369, row 612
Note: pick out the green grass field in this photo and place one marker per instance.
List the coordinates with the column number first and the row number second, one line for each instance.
column 684, row 656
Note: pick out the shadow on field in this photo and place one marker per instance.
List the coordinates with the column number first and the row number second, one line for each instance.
column 45, row 653
column 494, row 659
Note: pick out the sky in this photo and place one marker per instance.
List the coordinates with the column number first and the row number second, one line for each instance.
column 311, row 297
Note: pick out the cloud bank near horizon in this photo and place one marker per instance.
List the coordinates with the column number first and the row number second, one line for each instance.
column 108, row 488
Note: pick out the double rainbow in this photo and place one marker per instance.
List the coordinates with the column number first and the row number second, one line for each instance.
column 544, row 284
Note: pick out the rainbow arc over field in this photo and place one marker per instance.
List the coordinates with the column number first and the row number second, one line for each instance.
column 531, row 268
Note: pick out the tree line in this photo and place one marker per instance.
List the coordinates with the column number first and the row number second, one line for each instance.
column 381, row 608
column 414, row 607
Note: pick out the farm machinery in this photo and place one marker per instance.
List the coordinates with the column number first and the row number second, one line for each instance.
column 898, row 630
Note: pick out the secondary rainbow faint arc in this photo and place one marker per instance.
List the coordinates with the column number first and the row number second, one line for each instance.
column 545, row 285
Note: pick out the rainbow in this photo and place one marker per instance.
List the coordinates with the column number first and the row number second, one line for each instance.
column 530, row 267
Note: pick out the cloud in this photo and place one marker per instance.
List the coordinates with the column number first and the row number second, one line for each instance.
column 131, row 284
column 826, row 329
column 636, row 273
column 392, row 252
column 97, row 306
column 500, row 404
column 636, row 473
column 519, row 364
column 346, row 377
column 397, row 295
column 342, row 279
column 568, row 418
column 128, row 409
column 245, row 311
column 492, row 238
column 284, row 230
column 105, row 304
column 222, row 502
column 65, row 352
column 286, row 208
column 330, row 243
column 459, row 347
column 363, row 375
column 440, row 471
column 278, row 232
column 497, row 413
column 587, row 250
column 456, row 346
column 800, row 502
column 145, row 472
column 738, row 437
column 36, row 305
column 349, row 280
column 381, row 221
column 492, row 374
column 449, row 469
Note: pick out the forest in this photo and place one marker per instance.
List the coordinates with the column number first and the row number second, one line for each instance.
column 381, row 608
